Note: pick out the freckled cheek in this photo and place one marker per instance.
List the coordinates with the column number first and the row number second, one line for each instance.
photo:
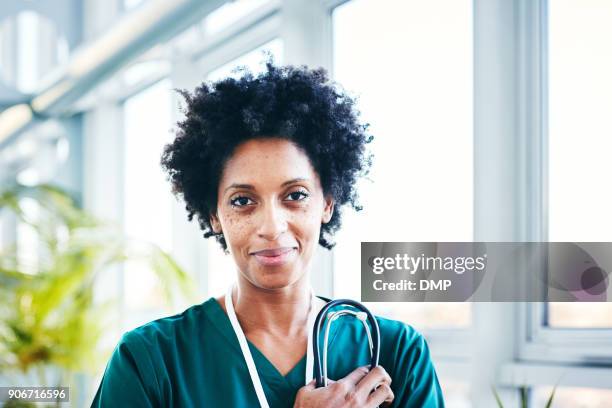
column 238, row 229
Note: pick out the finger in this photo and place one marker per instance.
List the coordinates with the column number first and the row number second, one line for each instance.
column 356, row 375
column 383, row 394
column 377, row 375
column 311, row 385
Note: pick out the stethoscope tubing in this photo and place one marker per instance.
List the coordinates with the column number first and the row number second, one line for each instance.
column 373, row 337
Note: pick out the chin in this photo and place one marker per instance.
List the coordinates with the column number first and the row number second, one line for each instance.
column 275, row 278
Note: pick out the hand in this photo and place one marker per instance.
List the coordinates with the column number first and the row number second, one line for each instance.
column 361, row 388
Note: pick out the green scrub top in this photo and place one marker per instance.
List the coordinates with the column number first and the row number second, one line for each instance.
column 193, row 359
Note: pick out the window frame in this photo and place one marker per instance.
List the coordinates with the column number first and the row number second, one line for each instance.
column 511, row 149
column 260, row 27
column 538, row 341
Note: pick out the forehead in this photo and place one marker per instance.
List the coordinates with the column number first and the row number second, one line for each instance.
column 266, row 162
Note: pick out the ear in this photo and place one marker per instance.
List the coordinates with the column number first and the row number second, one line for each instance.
column 214, row 222
column 328, row 210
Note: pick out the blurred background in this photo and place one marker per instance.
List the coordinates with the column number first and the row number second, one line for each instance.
column 491, row 121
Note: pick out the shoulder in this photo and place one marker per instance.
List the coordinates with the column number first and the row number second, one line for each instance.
column 143, row 359
column 398, row 332
column 180, row 321
column 401, row 345
column 415, row 381
column 160, row 332
column 405, row 349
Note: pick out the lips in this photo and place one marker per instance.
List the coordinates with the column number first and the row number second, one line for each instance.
column 274, row 256
column 273, row 252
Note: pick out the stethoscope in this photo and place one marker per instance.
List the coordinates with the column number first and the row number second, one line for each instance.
column 316, row 365
column 363, row 314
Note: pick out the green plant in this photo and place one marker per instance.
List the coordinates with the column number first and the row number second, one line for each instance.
column 48, row 316
column 523, row 390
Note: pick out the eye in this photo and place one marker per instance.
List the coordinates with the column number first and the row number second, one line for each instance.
column 298, row 195
column 240, row 201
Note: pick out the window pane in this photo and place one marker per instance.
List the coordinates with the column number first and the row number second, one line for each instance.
column 229, row 13
column 412, row 72
column 221, row 267
column 580, row 315
column 130, row 4
column 573, row 397
column 456, row 393
column 147, row 212
column 31, row 45
column 28, row 45
column 426, row 315
column 252, row 60
column 580, row 86
column 579, row 118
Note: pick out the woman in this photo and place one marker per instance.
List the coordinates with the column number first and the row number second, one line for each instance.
column 266, row 164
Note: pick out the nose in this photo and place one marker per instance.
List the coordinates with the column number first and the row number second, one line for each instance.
column 273, row 222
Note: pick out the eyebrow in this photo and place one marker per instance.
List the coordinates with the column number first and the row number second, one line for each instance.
column 250, row 187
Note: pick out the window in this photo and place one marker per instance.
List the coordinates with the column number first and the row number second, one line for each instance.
column 572, row 397
column 580, row 315
column 410, row 68
column 576, row 95
column 580, row 96
column 456, row 393
column 131, row 4
column 31, row 45
column 251, row 60
column 28, row 28
column 229, row 13
column 147, row 208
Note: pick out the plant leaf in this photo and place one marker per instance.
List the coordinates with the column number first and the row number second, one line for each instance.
column 497, row 399
column 48, row 315
column 524, row 396
column 552, row 396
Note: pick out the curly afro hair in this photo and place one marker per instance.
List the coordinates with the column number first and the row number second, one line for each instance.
column 298, row 104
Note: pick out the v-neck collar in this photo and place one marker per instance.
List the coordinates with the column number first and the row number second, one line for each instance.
column 294, row 377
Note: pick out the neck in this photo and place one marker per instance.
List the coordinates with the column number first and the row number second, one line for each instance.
column 282, row 311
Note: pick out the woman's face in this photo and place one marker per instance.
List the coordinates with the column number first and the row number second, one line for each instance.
column 270, row 208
